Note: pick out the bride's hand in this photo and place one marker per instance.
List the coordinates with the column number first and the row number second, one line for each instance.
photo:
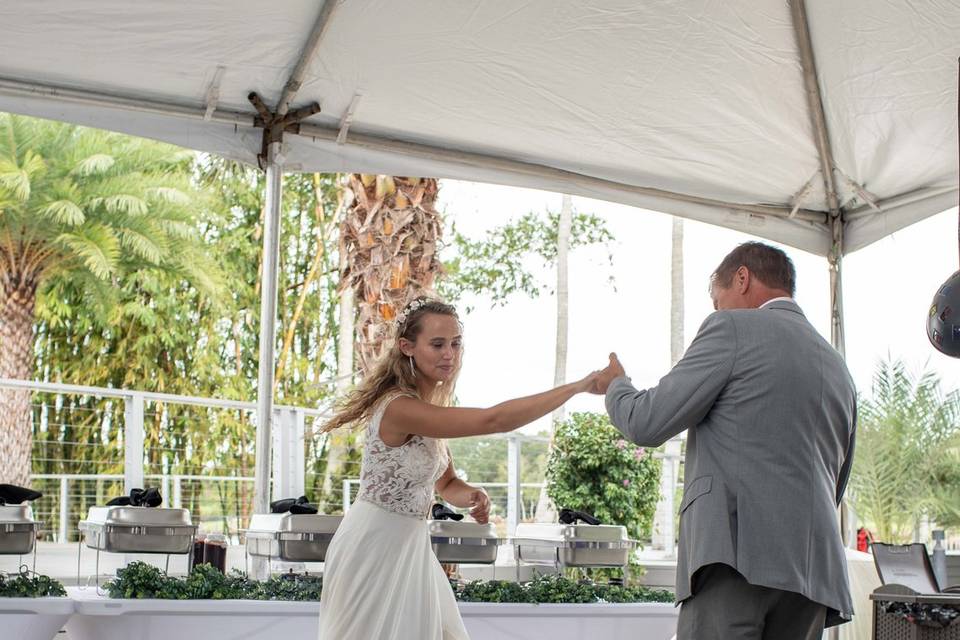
column 479, row 506
column 589, row 383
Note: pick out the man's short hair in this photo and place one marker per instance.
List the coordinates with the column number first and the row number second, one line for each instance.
column 769, row 265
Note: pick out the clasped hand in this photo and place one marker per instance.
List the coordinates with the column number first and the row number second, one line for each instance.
column 598, row 381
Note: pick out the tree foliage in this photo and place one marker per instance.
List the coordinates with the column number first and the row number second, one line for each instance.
column 496, row 266
column 906, row 453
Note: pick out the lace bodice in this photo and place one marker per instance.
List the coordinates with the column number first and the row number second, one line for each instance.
column 400, row 479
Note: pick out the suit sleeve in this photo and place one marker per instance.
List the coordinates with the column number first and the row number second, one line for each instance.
column 685, row 395
column 844, row 475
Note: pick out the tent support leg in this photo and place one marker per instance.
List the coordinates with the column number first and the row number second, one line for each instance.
column 835, row 261
column 268, row 321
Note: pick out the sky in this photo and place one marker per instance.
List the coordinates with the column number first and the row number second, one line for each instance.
column 510, row 350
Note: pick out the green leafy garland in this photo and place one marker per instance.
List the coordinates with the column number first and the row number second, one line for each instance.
column 557, row 590
column 27, row 584
column 140, row 580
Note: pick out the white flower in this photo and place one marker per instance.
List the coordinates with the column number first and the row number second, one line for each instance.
column 410, row 308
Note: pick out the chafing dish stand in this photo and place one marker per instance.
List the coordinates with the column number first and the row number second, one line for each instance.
column 18, row 532
column 136, row 529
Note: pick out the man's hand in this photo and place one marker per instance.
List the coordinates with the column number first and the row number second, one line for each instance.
column 479, row 506
column 606, row 376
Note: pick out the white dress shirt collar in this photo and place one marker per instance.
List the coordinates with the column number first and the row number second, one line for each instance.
column 781, row 298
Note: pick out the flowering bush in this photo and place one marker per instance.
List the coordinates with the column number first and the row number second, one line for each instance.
column 593, row 468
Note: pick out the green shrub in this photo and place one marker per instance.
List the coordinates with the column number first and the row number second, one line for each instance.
column 593, row 468
column 25, row 585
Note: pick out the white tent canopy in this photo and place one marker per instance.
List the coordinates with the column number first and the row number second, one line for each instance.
column 696, row 108
column 824, row 126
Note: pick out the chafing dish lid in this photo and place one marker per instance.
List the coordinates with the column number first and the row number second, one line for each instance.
column 130, row 515
column 16, row 513
column 556, row 532
column 294, row 523
column 453, row 529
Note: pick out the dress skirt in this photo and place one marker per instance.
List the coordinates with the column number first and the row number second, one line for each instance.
column 382, row 581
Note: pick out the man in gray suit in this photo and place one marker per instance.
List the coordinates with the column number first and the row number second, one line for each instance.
column 769, row 409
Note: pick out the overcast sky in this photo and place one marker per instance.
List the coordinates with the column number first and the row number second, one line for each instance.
column 888, row 287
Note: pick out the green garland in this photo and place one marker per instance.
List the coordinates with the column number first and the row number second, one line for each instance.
column 555, row 590
column 140, row 580
column 27, row 584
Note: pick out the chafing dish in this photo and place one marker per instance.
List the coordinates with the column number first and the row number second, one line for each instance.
column 129, row 529
column 18, row 529
column 291, row 537
column 464, row 542
column 573, row 545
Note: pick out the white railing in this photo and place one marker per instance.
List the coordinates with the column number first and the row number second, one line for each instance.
column 288, row 447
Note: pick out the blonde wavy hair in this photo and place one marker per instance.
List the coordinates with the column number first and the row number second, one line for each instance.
column 393, row 371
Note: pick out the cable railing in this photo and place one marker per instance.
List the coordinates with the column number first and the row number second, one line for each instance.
column 92, row 444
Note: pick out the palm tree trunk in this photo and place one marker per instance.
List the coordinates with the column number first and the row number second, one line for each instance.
column 676, row 292
column 390, row 235
column 664, row 519
column 16, row 361
column 545, row 510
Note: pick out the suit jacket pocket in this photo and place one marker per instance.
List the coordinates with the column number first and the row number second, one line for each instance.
column 697, row 487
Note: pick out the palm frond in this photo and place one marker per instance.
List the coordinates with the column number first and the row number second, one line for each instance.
column 63, row 212
column 144, row 242
column 169, row 194
column 96, row 246
column 95, row 164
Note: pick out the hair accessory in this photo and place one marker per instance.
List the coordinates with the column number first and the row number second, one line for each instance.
column 401, row 318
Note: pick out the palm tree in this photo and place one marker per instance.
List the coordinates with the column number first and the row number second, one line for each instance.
column 906, row 439
column 84, row 206
column 390, row 237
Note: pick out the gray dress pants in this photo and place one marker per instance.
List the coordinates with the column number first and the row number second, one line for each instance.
column 724, row 606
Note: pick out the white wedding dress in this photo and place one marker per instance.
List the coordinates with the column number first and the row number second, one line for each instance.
column 381, row 579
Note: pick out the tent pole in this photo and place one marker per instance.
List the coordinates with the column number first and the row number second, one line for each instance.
column 835, row 261
column 268, row 321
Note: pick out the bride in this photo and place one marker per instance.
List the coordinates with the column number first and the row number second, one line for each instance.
column 381, row 579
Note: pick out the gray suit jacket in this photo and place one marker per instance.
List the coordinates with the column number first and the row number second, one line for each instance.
column 771, row 410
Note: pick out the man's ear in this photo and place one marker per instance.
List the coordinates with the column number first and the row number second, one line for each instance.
column 741, row 279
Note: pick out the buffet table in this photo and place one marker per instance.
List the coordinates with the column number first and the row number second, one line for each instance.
column 34, row 618
column 102, row 618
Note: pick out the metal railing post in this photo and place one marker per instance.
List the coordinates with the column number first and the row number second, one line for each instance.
column 133, row 442
column 64, row 510
column 289, row 457
column 514, row 495
column 346, row 495
column 177, row 493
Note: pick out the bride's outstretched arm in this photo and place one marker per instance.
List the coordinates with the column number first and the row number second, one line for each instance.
column 406, row 415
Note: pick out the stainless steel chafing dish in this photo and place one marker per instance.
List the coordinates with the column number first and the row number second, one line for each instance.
column 129, row 529
column 573, row 545
column 291, row 537
column 18, row 529
column 464, row 542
